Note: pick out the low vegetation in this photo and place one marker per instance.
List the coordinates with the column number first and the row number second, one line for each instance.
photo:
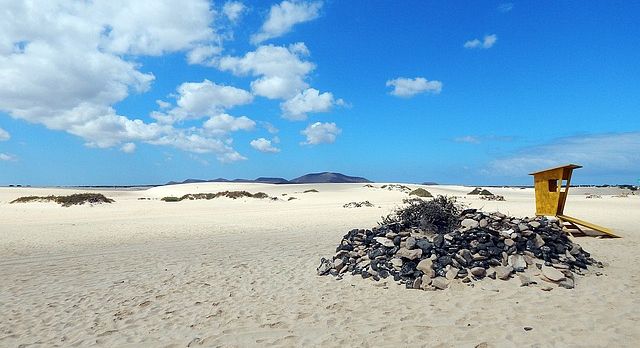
column 67, row 201
column 480, row 191
column 420, row 192
column 438, row 215
column 396, row 187
column 310, row 191
column 358, row 204
column 208, row 196
column 492, row 198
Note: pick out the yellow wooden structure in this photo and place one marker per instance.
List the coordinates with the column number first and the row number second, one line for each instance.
column 551, row 189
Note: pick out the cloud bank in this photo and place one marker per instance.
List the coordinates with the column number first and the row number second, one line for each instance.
column 611, row 153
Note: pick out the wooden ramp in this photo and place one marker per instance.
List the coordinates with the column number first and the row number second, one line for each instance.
column 573, row 222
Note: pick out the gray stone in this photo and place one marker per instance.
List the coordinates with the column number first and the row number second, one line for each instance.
column 425, row 267
column 517, row 262
column 529, row 259
column 507, row 233
column 509, row 242
column 338, row 264
column 440, row 283
column 553, row 274
column 567, row 283
column 479, row 272
column 469, row 224
column 410, row 243
column 526, row 279
column 534, row 224
column 466, row 255
column 452, row 273
column 539, row 241
column 417, row 284
column 384, row 241
column 483, row 223
column 409, row 254
column 478, row 257
column 325, row 266
column 560, row 266
column 397, row 263
column 504, row 272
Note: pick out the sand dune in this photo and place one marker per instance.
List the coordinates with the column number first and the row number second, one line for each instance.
column 141, row 272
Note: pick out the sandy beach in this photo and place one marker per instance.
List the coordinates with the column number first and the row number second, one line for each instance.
column 141, row 272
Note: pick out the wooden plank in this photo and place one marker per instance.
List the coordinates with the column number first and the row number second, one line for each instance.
column 589, row 225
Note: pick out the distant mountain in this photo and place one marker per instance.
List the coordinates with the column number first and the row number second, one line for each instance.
column 327, row 177
column 272, row 180
column 313, row 178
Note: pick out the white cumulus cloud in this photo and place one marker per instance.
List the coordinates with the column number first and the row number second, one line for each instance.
column 320, row 133
column 281, row 71
column 406, row 88
column 263, row 145
column 224, row 124
column 207, row 98
column 282, row 17
column 487, row 42
column 309, row 100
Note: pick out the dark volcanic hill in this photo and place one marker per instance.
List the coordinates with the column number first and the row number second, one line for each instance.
column 327, row 177
column 272, row 180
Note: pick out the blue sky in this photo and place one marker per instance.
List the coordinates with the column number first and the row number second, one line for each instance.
column 116, row 92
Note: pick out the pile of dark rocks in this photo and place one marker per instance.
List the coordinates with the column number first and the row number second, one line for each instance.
column 358, row 204
column 492, row 198
column 533, row 250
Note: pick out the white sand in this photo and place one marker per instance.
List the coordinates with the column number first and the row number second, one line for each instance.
column 242, row 273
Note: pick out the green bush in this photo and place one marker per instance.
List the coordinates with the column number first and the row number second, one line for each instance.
column 480, row 191
column 439, row 215
column 420, row 192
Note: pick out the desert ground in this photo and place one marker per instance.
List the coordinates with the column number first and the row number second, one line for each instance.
column 142, row 272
